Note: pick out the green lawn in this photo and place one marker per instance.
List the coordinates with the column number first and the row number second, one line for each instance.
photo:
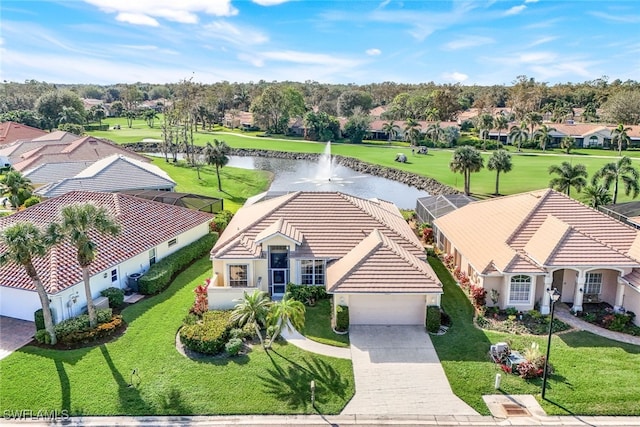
column 94, row 381
column 530, row 168
column 317, row 325
column 593, row 375
column 237, row 184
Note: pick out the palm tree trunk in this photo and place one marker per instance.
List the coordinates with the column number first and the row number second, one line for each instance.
column 277, row 331
column 497, row 181
column 467, row 177
column 91, row 309
column 218, row 175
column 255, row 325
column 46, row 310
column 615, row 192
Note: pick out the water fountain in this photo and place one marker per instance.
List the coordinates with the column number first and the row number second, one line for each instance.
column 325, row 168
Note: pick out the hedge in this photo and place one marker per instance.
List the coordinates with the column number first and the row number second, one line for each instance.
column 161, row 273
column 434, row 318
column 77, row 329
column 307, row 294
column 115, row 296
column 209, row 335
column 104, row 126
column 342, row 318
column 38, row 316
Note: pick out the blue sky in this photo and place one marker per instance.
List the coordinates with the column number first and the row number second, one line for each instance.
column 356, row 41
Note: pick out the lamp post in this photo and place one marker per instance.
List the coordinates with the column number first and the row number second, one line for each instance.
column 554, row 295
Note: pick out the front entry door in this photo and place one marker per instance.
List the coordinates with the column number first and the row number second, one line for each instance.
column 278, row 270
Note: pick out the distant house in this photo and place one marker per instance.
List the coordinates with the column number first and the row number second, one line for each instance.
column 12, row 131
column 521, row 245
column 150, row 232
column 362, row 251
column 111, row 174
column 83, row 149
column 12, row 153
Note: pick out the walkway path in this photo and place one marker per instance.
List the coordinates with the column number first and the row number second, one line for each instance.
column 14, row 333
column 296, row 338
column 562, row 313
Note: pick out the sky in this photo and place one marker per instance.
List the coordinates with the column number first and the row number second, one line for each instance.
column 481, row 42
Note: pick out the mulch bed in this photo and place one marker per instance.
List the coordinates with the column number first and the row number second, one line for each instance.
column 120, row 330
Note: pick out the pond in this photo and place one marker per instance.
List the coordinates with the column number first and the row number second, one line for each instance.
column 325, row 175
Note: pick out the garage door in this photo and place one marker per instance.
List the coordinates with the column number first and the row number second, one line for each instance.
column 387, row 309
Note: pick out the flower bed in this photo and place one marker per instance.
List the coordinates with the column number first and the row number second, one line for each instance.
column 531, row 322
column 603, row 315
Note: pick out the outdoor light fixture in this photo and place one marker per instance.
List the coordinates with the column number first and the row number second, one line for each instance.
column 554, row 296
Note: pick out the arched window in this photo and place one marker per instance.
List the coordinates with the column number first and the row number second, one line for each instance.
column 520, row 289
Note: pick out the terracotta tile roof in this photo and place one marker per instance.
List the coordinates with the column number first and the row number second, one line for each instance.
column 12, row 131
column 331, row 224
column 524, row 232
column 88, row 148
column 283, row 228
column 633, row 278
column 145, row 224
column 378, row 264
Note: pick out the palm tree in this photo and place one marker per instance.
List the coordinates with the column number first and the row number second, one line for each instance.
column 466, row 159
column 434, row 132
column 78, row 224
column 16, row 187
column 543, row 136
column 569, row 176
column 70, row 115
column 567, row 143
column 501, row 123
column 390, row 129
column 252, row 309
column 22, row 242
column 619, row 136
column 500, row 161
column 596, row 195
column 412, row 131
column 216, row 154
column 532, row 119
column 518, row 134
column 287, row 313
column 484, row 124
column 432, row 114
column 613, row 172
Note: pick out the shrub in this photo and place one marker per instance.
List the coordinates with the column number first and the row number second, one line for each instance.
column 511, row 311
column 221, row 221
column 342, row 318
column 38, row 317
column 479, row 296
column 307, row 294
column 33, row 200
column 79, row 324
column 161, row 273
column 190, row 319
column 449, row 261
column 233, row 346
column 115, row 296
column 238, row 333
column 528, row 370
column 434, row 318
column 618, row 322
column 209, row 335
column 43, row 337
column 103, row 329
column 201, row 304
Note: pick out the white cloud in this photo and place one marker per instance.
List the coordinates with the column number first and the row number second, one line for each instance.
column 251, row 59
column 233, row 33
column 309, row 58
column 137, row 19
column 627, row 19
column 531, row 1
column 537, row 57
column 542, row 40
column 269, row 2
column 373, row 52
column 144, row 12
column 515, row 10
column 384, row 4
column 467, row 42
column 455, row 76
column 1, row 41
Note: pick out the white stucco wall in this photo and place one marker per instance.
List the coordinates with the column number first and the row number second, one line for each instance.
column 18, row 303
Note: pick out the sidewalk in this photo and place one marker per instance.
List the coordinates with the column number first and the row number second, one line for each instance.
column 296, row 338
column 562, row 313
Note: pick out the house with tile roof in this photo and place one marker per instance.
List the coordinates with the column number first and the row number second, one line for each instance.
column 83, row 149
column 150, row 232
column 362, row 251
column 523, row 244
column 11, row 153
column 12, row 131
column 111, row 174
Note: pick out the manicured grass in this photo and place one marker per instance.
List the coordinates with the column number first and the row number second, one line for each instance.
column 94, row 381
column 530, row 168
column 317, row 326
column 237, row 184
column 593, row 375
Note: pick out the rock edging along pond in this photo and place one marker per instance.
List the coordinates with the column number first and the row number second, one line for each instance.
column 429, row 185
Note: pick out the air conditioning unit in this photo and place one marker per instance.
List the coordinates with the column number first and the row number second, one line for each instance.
column 102, row 302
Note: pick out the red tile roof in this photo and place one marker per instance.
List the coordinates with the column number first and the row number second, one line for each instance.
column 145, row 224
column 12, row 131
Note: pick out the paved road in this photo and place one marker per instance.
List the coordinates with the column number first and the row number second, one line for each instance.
column 397, row 372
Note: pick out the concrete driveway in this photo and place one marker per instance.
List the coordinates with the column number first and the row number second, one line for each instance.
column 14, row 333
column 397, row 372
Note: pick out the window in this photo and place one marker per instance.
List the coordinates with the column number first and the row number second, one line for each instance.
column 238, row 275
column 173, row 242
column 519, row 289
column 312, row 272
column 593, row 284
column 152, row 256
column 114, row 275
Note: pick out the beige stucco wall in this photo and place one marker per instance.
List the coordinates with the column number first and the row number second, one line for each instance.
column 493, row 282
column 632, row 302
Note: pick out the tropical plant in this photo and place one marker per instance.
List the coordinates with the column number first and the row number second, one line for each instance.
column 357, row 126
column 23, row 242
column 518, row 134
column 614, row 172
column 130, row 115
column 532, row 119
column 500, row 161
column 620, row 137
column 484, row 123
column 466, row 159
column 98, row 113
column 500, row 122
column 391, row 129
column 252, row 309
column 201, row 303
column 542, row 135
column 288, row 313
column 16, row 188
column 78, row 224
column 596, row 195
column 412, row 131
column 567, row 143
column 217, row 154
column 568, row 176
column 434, row 132
column 149, row 116
column 70, row 115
